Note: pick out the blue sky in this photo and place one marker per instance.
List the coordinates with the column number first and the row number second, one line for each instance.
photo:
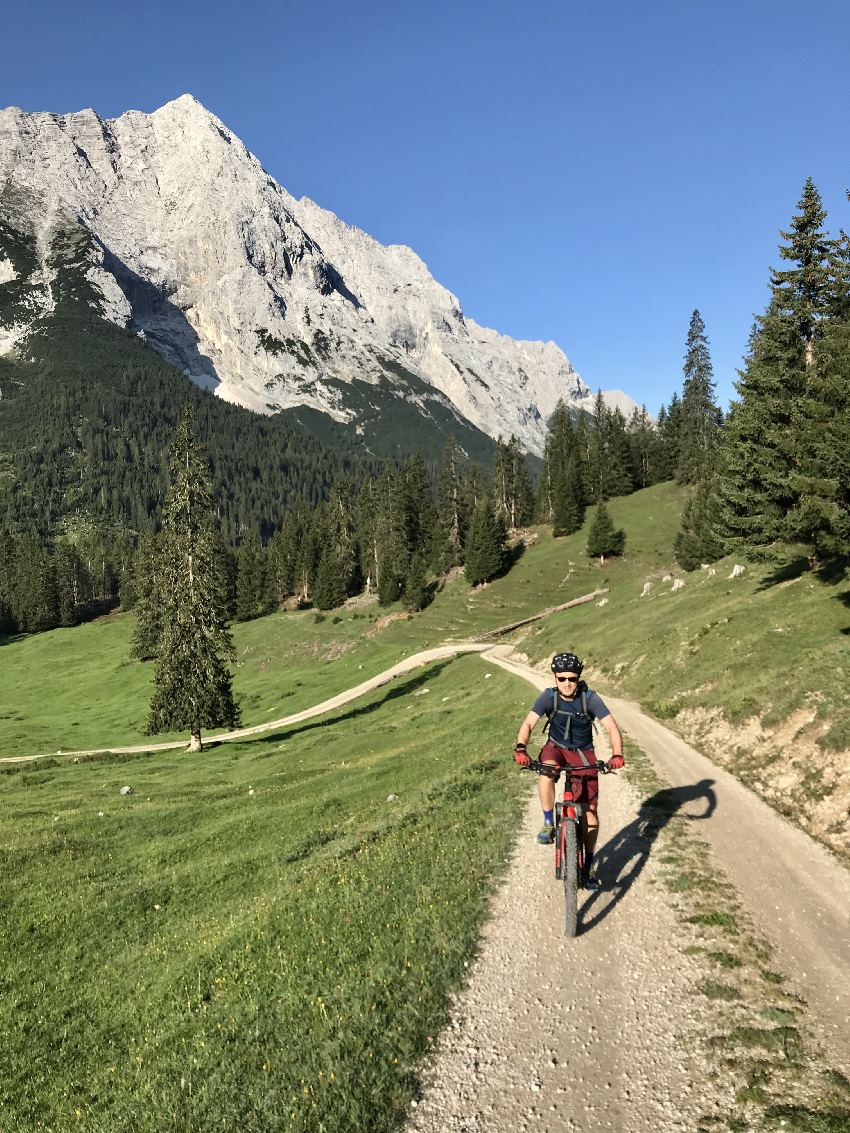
column 583, row 172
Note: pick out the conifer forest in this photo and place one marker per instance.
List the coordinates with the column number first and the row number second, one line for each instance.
column 87, row 420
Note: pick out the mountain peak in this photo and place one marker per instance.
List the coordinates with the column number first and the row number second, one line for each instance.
column 272, row 302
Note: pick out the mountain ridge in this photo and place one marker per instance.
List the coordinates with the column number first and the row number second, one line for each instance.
column 269, row 301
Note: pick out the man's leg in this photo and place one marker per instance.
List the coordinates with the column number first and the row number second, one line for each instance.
column 590, row 832
column 546, row 794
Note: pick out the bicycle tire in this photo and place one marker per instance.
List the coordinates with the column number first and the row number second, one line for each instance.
column 569, row 874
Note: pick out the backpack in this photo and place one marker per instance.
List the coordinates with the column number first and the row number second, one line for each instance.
column 582, row 691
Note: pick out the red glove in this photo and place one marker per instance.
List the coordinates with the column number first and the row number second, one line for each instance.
column 521, row 756
column 615, row 763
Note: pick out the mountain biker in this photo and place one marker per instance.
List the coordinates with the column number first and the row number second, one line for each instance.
column 571, row 708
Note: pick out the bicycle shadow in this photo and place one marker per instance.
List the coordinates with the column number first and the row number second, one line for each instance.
column 621, row 859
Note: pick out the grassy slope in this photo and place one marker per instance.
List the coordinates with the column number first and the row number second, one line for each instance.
column 287, row 919
column 199, row 957
column 752, row 645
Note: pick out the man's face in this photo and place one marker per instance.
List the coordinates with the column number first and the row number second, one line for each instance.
column 567, row 682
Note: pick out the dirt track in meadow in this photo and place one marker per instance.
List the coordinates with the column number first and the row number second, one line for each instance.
column 604, row 1032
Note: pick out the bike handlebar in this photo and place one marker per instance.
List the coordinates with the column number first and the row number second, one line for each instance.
column 552, row 771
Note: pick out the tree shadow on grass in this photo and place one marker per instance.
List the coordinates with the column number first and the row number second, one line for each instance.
column 621, row 860
column 398, row 687
column 787, row 572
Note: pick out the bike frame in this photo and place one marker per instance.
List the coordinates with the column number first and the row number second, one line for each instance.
column 568, row 809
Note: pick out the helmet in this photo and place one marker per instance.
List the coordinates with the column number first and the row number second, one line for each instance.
column 566, row 663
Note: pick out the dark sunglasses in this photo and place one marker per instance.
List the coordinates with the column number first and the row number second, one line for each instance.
column 563, row 680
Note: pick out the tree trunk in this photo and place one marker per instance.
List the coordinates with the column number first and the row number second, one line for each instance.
column 195, row 741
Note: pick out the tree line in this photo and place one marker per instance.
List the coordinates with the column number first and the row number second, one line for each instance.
column 776, row 475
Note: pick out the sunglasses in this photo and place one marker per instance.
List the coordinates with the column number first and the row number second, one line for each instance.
column 566, row 680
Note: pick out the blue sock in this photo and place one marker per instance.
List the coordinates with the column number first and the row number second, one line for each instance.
column 548, row 818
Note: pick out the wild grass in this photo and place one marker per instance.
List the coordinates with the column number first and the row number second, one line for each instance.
column 260, row 938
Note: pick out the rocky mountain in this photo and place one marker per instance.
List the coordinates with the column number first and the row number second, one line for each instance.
column 273, row 303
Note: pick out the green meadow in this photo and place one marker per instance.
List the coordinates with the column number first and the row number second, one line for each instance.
column 762, row 644
column 264, row 936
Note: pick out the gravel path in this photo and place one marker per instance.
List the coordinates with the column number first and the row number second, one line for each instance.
column 604, row 1032
column 595, row 1033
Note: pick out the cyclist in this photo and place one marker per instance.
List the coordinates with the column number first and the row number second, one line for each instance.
column 571, row 708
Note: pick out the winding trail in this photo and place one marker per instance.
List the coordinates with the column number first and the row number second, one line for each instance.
column 509, row 1063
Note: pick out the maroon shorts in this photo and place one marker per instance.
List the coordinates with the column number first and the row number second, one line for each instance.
column 586, row 782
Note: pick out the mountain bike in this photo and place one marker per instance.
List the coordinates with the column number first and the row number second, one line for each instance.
column 569, row 843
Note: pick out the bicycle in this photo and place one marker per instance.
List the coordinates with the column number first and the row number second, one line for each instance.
column 569, row 845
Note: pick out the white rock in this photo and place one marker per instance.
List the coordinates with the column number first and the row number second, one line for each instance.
column 647, row 586
column 127, row 791
column 268, row 300
column 391, row 798
column 667, row 578
column 677, row 585
column 602, row 602
column 737, row 571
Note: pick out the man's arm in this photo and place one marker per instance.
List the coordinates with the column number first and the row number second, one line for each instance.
column 614, row 735
column 526, row 728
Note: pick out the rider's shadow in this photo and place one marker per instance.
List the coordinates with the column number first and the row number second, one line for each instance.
column 620, row 861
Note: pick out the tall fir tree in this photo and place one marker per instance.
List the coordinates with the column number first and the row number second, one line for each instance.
column 763, row 461
column 452, row 510
column 253, row 585
column 148, row 606
column 698, row 432
column 485, row 547
column 192, row 683
column 697, row 540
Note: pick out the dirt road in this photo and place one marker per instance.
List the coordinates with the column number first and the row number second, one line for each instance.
column 795, row 890
column 605, row 1032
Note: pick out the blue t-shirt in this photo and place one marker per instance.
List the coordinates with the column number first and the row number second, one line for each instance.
column 569, row 727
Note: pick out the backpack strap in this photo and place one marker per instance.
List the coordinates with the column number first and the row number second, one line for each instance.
column 552, row 712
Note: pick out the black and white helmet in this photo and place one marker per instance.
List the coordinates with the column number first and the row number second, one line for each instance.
column 566, row 663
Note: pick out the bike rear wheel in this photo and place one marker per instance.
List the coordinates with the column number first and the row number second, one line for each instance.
column 569, row 875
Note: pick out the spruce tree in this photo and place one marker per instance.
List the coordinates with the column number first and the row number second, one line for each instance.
column 669, row 445
column 820, row 517
column 253, row 587
column 763, row 463
column 192, row 683
column 452, row 512
column 699, row 413
column 148, row 606
column 329, row 590
column 416, row 594
column 603, row 539
column 485, row 546
column 697, row 541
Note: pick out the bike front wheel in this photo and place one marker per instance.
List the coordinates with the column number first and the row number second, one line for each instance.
column 569, row 875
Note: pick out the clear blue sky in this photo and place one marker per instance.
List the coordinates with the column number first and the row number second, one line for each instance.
column 584, row 172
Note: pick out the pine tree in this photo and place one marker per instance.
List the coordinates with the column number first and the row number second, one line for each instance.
column 511, row 484
column 485, row 545
column 763, row 463
column 73, row 585
column 452, row 512
column 192, row 684
column 329, row 590
column 148, row 605
column 603, row 539
column 699, row 414
column 821, row 478
column 697, row 541
column 416, row 594
column 253, row 588
column 669, row 429
column 644, row 446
